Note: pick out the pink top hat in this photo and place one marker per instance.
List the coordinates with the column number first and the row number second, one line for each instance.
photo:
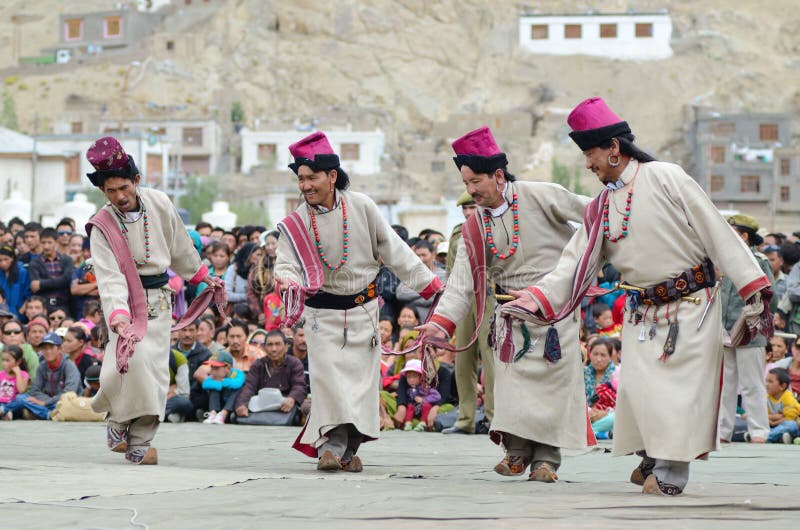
column 479, row 142
column 107, row 153
column 312, row 145
column 478, row 151
column 593, row 122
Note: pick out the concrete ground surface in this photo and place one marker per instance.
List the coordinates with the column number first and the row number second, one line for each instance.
column 58, row 475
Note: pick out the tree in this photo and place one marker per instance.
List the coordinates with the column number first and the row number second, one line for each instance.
column 250, row 214
column 200, row 193
column 8, row 118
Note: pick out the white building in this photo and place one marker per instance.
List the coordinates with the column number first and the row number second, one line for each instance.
column 630, row 36
column 193, row 145
column 360, row 152
column 149, row 154
column 38, row 179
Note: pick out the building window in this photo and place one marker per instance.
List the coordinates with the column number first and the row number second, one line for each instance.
column 723, row 129
column 350, row 152
column 644, row 30
column 437, row 166
column 716, row 184
column 76, row 127
column 572, row 31
column 750, row 184
column 170, row 45
column 73, row 29
column 718, row 154
column 540, row 32
column 786, row 166
column 112, row 27
column 608, row 31
column 267, row 153
column 73, row 175
column 192, row 136
column 786, row 194
column 768, row 132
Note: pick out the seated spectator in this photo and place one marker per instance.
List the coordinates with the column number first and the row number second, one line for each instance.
column 56, row 317
column 794, row 368
column 14, row 378
column 92, row 314
column 601, row 396
column 64, row 230
column 195, row 354
column 782, row 408
column 98, row 338
column 257, row 344
column 33, row 307
column 276, row 370
column 205, row 335
column 13, row 335
column 179, row 405
column 51, row 273
column 419, row 401
column 91, row 381
column 387, row 331
column 75, row 249
column 236, row 277
column 14, row 280
column 32, row 243
column 776, row 350
column 76, row 346
column 35, row 330
column 54, row 377
column 604, row 320
column 223, row 384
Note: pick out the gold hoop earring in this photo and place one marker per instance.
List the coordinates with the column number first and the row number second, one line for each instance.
column 615, row 163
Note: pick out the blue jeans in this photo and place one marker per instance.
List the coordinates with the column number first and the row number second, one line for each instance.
column 776, row 432
column 21, row 402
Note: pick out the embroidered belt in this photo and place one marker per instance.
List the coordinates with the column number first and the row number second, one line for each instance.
column 156, row 281
column 691, row 280
column 323, row 300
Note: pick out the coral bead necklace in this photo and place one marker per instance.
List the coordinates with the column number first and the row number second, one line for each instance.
column 625, row 216
column 345, row 239
column 140, row 263
column 514, row 238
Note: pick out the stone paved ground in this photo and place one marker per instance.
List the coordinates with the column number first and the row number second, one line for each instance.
column 61, row 476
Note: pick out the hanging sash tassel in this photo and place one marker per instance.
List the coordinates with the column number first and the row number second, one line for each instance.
column 552, row 347
column 506, row 353
column 526, row 342
column 672, row 335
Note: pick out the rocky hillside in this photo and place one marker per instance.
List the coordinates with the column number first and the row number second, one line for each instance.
column 408, row 65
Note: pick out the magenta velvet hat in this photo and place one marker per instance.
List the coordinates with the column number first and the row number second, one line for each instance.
column 312, row 145
column 109, row 159
column 478, row 151
column 593, row 122
column 316, row 152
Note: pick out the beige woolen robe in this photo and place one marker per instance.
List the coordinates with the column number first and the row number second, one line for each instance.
column 143, row 390
column 667, row 408
column 534, row 399
column 345, row 378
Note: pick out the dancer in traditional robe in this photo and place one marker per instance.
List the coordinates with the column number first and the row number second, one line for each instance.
column 327, row 264
column 519, row 231
column 134, row 238
column 664, row 236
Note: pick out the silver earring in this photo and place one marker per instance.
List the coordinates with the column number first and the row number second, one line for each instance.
column 615, row 163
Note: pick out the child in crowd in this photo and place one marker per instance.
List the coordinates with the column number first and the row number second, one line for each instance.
column 54, row 377
column 13, row 379
column 601, row 393
column 420, row 401
column 782, row 408
column 776, row 351
column 386, row 330
column 223, row 385
column 604, row 320
column 91, row 381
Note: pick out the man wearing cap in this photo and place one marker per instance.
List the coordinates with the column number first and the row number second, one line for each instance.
column 467, row 360
column 143, row 223
column 516, row 237
column 658, row 228
column 743, row 366
column 327, row 261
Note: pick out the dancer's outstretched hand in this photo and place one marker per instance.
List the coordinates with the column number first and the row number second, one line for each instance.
column 431, row 331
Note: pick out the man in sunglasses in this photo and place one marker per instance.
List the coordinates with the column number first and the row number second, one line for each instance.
column 65, row 228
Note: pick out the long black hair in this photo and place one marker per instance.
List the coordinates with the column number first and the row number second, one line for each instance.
column 13, row 272
column 627, row 147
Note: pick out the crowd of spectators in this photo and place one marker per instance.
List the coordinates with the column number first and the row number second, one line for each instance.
column 254, row 370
